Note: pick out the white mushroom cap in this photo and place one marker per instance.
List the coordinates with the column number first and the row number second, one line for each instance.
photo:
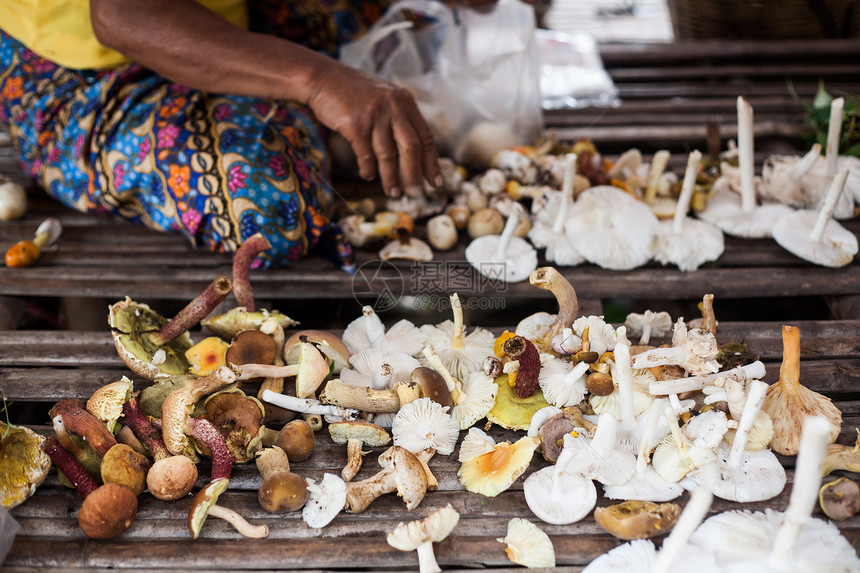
column 814, row 236
column 612, row 229
column 598, row 458
column 378, row 369
column 725, row 210
column 556, row 494
column 411, row 249
column 504, row 256
column 535, row 326
column 424, row 424
column 601, row 335
column 477, row 399
column 421, row 534
column 368, row 331
column 562, row 382
column 708, row 428
column 648, row 324
column 476, row 443
column 527, row 545
column 460, row 353
column 325, row 501
column 677, row 455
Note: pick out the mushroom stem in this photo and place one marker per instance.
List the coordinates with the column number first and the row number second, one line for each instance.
column 789, row 370
column 273, row 328
column 70, row 467
column 826, row 212
column 834, row 130
column 692, row 516
column 746, row 155
column 804, row 492
column 454, row 387
column 658, row 165
column 806, row 163
column 70, row 416
column 548, row 278
column 211, row 383
column 239, row 523
column 407, row 391
column 709, row 319
column 144, row 430
column 307, row 406
column 755, row 397
column 271, row 461
column 566, row 193
column 361, row 494
column 508, row 233
column 687, row 188
column 426, row 558
column 204, row 432
column 693, row 383
column 603, row 441
column 624, row 378
column 242, row 261
column 678, row 435
column 586, row 341
column 457, row 308
column 338, row 393
column 424, row 456
column 195, row 311
column 648, row 436
column 354, row 459
column 251, row 371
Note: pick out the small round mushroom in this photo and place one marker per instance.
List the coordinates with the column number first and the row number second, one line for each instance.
column 420, row 535
column 485, row 222
column 442, row 232
column 840, row 499
column 13, row 200
column 297, row 439
column 171, row 478
column 459, row 215
column 282, row 490
column 123, row 466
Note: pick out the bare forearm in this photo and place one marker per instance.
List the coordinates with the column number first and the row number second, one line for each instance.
column 211, row 54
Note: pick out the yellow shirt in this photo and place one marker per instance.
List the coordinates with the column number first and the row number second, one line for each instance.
column 60, row 30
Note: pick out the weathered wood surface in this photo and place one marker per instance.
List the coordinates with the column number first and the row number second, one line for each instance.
column 44, row 366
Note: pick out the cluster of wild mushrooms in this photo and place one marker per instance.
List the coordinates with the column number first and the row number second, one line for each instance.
column 624, row 214
column 646, row 422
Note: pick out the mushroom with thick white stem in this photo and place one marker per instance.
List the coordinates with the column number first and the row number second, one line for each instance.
column 695, row 350
column 648, row 324
column 461, row 354
column 527, row 545
column 677, row 454
column 424, row 424
column 739, row 474
column 325, row 501
column 356, row 435
column 378, row 369
column 402, row 472
column 558, row 496
column 815, row 236
column 630, row 430
column 612, row 229
column 541, row 327
column 368, row 331
column 421, row 534
column 782, row 177
column 473, row 398
column 675, row 555
column 308, row 406
column 789, row 402
column 790, row 541
column 559, row 247
column 503, row 257
column 741, row 216
column 25, row 253
column 205, row 504
column 684, row 241
column 598, row 458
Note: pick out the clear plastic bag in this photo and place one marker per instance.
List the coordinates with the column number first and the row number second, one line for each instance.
column 8, row 528
column 572, row 73
column 474, row 74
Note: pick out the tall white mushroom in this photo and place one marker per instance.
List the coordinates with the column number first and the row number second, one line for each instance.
column 694, row 350
column 815, row 236
column 738, row 474
column 598, row 458
column 504, row 256
column 473, row 397
column 783, row 177
column 767, row 541
column 684, row 241
column 559, row 247
column 612, row 229
column 460, row 353
column 367, row 331
column 648, row 324
column 742, row 216
column 420, row 534
column 676, row 555
column 629, row 432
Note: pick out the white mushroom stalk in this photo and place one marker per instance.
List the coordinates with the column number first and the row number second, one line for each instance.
column 752, row 371
column 598, row 458
column 503, row 256
column 368, row 331
column 307, row 406
column 746, row 154
column 419, row 535
column 658, row 166
column 677, row 455
column 816, row 237
column 687, row 242
column 646, row 484
column 559, row 496
column 629, row 433
column 473, row 399
column 559, row 247
column 647, row 324
column 694, row 350
column 562, row 382
column 743, row 475
column 460, row 353
column 834, row 131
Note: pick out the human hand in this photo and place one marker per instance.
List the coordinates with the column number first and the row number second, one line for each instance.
column 383, row 125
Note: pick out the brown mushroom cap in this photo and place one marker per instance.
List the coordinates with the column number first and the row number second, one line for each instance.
column 282, row 492
column 599, row 384
column 297, row 440
column 551, row 435
column 239, row 418
column 433, row 386
column 409, row 474
column 107, row 512
column 252, row 347
column 637, row 519
column 124, row 466
column 205, row 498
column 840, row 499
column 171, row 478
column 370, row 434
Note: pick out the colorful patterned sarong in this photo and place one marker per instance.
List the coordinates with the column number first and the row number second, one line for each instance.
column 215, row 168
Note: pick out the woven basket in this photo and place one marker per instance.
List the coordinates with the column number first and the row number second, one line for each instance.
column 765, row 19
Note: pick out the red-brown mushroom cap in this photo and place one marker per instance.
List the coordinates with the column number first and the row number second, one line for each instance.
column 107, row 512
column 252, row 347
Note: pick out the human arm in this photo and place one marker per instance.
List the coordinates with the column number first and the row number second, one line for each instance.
column 188, row 44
